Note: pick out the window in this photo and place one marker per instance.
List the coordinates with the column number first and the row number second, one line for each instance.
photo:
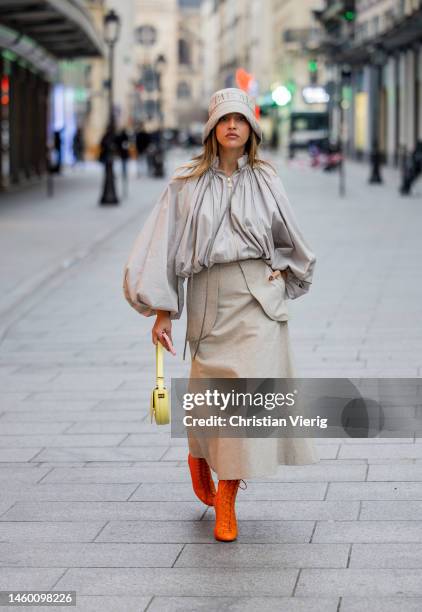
column 146, row 35
column 375, row 25
column 184, row 52
column 151, row 109
column 183, row 90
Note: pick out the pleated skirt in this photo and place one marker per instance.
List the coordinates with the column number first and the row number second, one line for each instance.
column 245, row 343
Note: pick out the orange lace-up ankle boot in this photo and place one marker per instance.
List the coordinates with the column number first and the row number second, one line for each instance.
column 202, row 482
column 225, row 517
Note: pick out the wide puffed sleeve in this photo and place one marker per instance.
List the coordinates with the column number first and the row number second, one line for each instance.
column 291, row 250
column 150, row 281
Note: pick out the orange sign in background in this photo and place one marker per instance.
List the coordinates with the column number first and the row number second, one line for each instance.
column 244, row 81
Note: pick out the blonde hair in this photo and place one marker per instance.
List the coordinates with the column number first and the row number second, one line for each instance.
column 201, row 163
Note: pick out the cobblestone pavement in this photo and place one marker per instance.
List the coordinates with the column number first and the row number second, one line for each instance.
column 96, row 499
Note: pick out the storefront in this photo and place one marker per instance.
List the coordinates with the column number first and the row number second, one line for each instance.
column 24, row 111
column 35, row 39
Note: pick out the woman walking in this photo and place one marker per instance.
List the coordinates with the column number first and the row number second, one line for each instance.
column 224, row 222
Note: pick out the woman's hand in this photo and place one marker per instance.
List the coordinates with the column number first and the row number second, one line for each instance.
column 276, row 273
column 162, row 323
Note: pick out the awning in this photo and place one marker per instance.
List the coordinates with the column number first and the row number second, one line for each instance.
column 63, row 27
column 29, row 50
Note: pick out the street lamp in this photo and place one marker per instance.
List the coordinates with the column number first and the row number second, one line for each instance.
column 111, row 36
column 377, row 58
column 343, row 100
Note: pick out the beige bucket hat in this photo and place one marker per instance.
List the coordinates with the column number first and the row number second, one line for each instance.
column 231, row 100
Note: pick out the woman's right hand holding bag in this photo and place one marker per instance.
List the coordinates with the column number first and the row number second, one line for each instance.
column 161, row 331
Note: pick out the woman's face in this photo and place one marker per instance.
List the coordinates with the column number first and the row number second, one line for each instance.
column 232, row 131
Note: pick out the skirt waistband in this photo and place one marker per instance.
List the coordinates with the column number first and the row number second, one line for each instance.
column 225, row 264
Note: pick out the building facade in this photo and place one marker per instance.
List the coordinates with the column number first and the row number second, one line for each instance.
column 190, row 49
column 210, row 27
column 379, row 51
column 155, row 61
column 158, row 58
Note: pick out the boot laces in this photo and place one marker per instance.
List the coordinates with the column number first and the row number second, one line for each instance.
column 228, row 510
column 200, row 465
column 202, row 469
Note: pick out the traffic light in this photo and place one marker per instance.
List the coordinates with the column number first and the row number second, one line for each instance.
column 349, row 15
column 313, row 71
column 313, row 65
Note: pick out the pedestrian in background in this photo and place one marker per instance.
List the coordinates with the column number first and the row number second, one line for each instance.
column 142, row 140
column 107, row 145
column 155, row 154
column 57, row 166
column 78, row 146
column 123, row 149
column 224, row 222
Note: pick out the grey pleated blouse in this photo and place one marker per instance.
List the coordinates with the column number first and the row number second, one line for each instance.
column 186, row 232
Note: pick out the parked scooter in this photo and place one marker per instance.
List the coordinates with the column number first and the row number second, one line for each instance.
column 326, row 155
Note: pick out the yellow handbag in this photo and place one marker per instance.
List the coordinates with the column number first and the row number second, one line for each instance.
column 160, row 401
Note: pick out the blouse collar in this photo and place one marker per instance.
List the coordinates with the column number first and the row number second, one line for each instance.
column 241, row 162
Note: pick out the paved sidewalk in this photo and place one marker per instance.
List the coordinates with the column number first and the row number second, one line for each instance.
column 96, row 499
column 43, row 236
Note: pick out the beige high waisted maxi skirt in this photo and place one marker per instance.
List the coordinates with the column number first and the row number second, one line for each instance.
column 245, row 343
